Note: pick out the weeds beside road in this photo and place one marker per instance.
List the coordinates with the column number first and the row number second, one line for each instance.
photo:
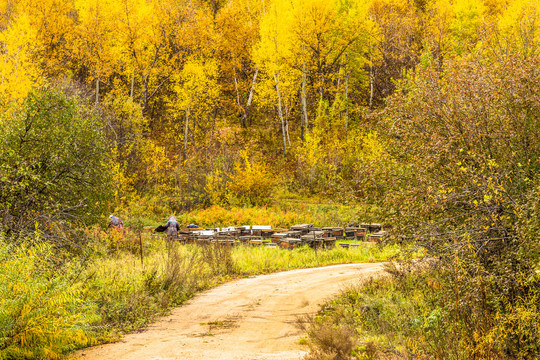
column 113, row 292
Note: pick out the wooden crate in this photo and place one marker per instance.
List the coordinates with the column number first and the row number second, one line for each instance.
column 303, row 228
column 227, row 242
column 316, row 244
column 277, row 237
column 267, row 234
column 203, row 242
column 295, row 234
column 377, row 237
column 329, row 243
column 289, row 243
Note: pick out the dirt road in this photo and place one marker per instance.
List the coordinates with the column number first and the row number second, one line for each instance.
column 248, row 319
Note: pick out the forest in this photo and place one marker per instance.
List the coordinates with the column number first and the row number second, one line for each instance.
column 421, row 114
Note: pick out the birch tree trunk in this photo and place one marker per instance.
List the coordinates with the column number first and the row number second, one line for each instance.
column 304, row 123
column 346, row 97
column 250, row 98
column 97, row 90
column 238, row 98
column 371, row 77
column 132, row 86
column 280, row 113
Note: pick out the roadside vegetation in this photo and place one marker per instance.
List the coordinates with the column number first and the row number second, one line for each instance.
column 49, row 310
column 468, row 198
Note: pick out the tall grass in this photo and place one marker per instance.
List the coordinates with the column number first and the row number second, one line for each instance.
column 258, row 260
column 400, row 316
column 49, row 309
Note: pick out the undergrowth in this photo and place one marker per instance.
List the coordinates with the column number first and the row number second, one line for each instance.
column 50, row 308
column 403, row 316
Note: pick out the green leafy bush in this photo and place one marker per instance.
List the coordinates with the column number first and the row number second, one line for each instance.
column 52, row 164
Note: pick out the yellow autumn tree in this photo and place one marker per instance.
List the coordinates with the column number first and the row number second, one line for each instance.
column 19, row 72
column 55, row 24
column 519, row 28
column 273, row 54
column 96, row 47
column 197, row 92
column 469, row 16
column 237, row 28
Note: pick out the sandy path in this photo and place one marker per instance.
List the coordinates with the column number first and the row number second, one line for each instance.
column 248, row 319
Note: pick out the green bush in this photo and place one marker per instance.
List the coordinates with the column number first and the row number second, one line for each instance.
column 53, row 165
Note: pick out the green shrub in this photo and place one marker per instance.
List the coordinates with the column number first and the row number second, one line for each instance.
column 53, row 170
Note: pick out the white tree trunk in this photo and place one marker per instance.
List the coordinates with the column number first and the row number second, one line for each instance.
column 250, row 98
column 304, row 126
column 346, row 98
column 280, row 113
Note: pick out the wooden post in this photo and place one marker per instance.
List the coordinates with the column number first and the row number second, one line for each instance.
column 141, row 245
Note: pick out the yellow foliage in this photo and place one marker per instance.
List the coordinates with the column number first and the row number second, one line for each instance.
column 19, row 74
column 520, row 26
column 196, row 85
column 252, row 181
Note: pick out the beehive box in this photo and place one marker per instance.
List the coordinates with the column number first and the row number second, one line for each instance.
column 258, row 229
column 350, row 233
column 295, row 234
column 371, row 227
column 355, row 233
column 377, row 237
column 361, row 234
column 267, row 234
column 203, row 242
column 336, row 232
column 289, row 243
column 303, row 228
column 327, row 232
column 316, row 243
column 244, row 239
column 311, row 236
column 277, row 237
column 329, row 243
column 224, row 242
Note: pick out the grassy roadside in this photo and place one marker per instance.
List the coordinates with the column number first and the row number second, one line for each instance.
column 405, row 315
column 387, row 317
column 113, row 292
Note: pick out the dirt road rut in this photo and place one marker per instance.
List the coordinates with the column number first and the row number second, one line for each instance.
column 248, row 319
